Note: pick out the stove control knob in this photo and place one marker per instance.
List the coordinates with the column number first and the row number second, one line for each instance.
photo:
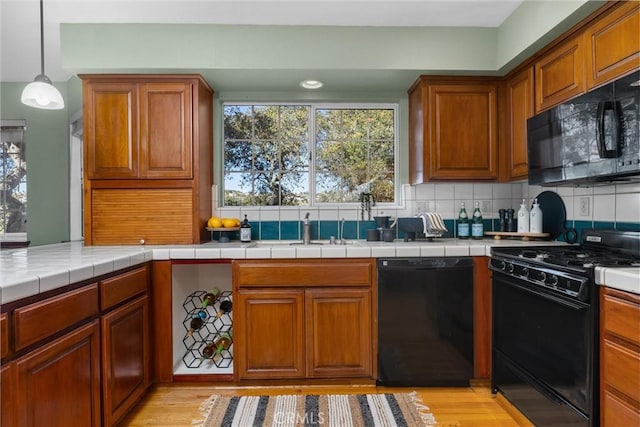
column 525, row 272
column 553, row 280
column 510, row 268
column 502, row 265
column 542, row 277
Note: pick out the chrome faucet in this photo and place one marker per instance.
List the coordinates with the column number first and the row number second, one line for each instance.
column 306, row 230
column 341, row 239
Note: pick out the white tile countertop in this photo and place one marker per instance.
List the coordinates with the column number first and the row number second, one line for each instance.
column 29, row 271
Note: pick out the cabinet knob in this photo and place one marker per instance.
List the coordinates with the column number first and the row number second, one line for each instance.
column 142, row 241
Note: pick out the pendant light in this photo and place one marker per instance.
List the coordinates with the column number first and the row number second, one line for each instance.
column 41, row 93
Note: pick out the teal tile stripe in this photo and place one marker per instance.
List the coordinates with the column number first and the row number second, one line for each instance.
column 292, row 230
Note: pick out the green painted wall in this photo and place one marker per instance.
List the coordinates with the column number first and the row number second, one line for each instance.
column 534, row 24
column 47, row 139
column 166, row 46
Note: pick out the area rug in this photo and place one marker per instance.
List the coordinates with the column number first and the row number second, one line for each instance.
column 334, row 410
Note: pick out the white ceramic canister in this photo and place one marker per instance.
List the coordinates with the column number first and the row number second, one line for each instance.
column 523, row 218
column 535, row 218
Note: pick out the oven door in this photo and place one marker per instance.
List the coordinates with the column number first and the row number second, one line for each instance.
column 543, row 354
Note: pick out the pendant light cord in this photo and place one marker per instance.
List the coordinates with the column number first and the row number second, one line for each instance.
column 41, row 40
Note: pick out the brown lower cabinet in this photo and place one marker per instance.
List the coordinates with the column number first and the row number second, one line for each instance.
column 8, row 404
column 58, row 384
column 619, row 358
column 125, row 355
column 304, row 319
column 79, row 357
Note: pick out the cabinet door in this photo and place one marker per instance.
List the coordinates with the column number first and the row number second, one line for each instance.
column 560, row 74
column 165, row 130
column 463, row 131
column 110, row 130
column 269, row 334
column 8, row 402
column 613, row 44
column 131, row 216
column 59, row 383
column 4, row 335
column 125, row 358
column 338, row 332
column 519, row 93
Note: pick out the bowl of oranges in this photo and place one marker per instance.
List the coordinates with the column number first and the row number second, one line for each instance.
column 223, row 224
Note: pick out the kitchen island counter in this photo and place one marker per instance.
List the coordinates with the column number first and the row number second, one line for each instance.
column 28, row 271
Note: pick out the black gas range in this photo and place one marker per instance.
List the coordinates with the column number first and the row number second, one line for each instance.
column 569, row 269
column 545, row 324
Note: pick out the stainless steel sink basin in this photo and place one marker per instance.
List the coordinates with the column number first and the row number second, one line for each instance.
column 281, row 243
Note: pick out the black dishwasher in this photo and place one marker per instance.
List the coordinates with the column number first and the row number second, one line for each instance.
column 425, row 321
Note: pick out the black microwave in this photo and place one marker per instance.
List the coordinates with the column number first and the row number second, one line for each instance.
column 589, row 140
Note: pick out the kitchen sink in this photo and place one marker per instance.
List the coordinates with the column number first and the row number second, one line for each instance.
column 281, row 243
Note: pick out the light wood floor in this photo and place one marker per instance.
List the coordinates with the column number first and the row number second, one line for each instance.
column 179, row 404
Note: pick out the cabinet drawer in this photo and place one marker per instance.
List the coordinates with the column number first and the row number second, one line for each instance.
column 4, row 334
column 122, row 287
column 37, row 321
column 290, row 273
column 621, row 317
column 621, row 369
column 615, row 412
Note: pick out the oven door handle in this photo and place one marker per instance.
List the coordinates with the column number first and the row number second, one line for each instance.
column 565, row 303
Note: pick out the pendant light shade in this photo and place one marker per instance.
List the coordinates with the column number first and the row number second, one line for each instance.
column 41, row 93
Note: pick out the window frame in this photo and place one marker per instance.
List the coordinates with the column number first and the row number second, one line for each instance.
column 313, row 106
column 17, row 237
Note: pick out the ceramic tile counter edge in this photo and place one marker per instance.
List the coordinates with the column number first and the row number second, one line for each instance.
column 29, row 271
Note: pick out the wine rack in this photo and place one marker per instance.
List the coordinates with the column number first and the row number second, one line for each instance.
column 212, row 328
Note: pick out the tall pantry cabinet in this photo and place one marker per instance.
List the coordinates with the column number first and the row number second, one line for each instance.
column 148, row 163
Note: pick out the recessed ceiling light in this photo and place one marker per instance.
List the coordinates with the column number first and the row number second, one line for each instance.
column 311, row 84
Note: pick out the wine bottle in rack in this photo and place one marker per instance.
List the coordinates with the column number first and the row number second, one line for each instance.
column 209, row 350
column 196, row 323
column 222, row 343
column 210, row 297
column 225, row 307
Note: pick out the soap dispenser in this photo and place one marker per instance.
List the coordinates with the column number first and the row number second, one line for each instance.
column 535, row 218
column 523, row 218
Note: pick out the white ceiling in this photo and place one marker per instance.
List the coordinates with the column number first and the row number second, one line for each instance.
column 19, row 20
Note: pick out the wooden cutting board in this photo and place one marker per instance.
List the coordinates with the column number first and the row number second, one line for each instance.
column 497, row 235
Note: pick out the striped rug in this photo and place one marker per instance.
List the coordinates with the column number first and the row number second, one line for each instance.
column 334, row 410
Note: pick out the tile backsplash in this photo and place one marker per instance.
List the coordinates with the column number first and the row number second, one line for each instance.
column 616, row 206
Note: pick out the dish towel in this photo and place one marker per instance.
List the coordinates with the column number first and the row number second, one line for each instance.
column 433, row 224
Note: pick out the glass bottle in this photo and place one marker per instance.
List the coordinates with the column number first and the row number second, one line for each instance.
column 463, row 223
column 225, row 307
column 195, row 324
column 209, row 350
column 222, row 343
column 245, row 230
column 477, row 227
column 210, row 297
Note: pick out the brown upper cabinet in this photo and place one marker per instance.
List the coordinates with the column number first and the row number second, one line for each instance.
column 560, row 74
column 453, row 129
column 148, row 158
column 138, row 130
column 519, row 107
column 613, row 44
